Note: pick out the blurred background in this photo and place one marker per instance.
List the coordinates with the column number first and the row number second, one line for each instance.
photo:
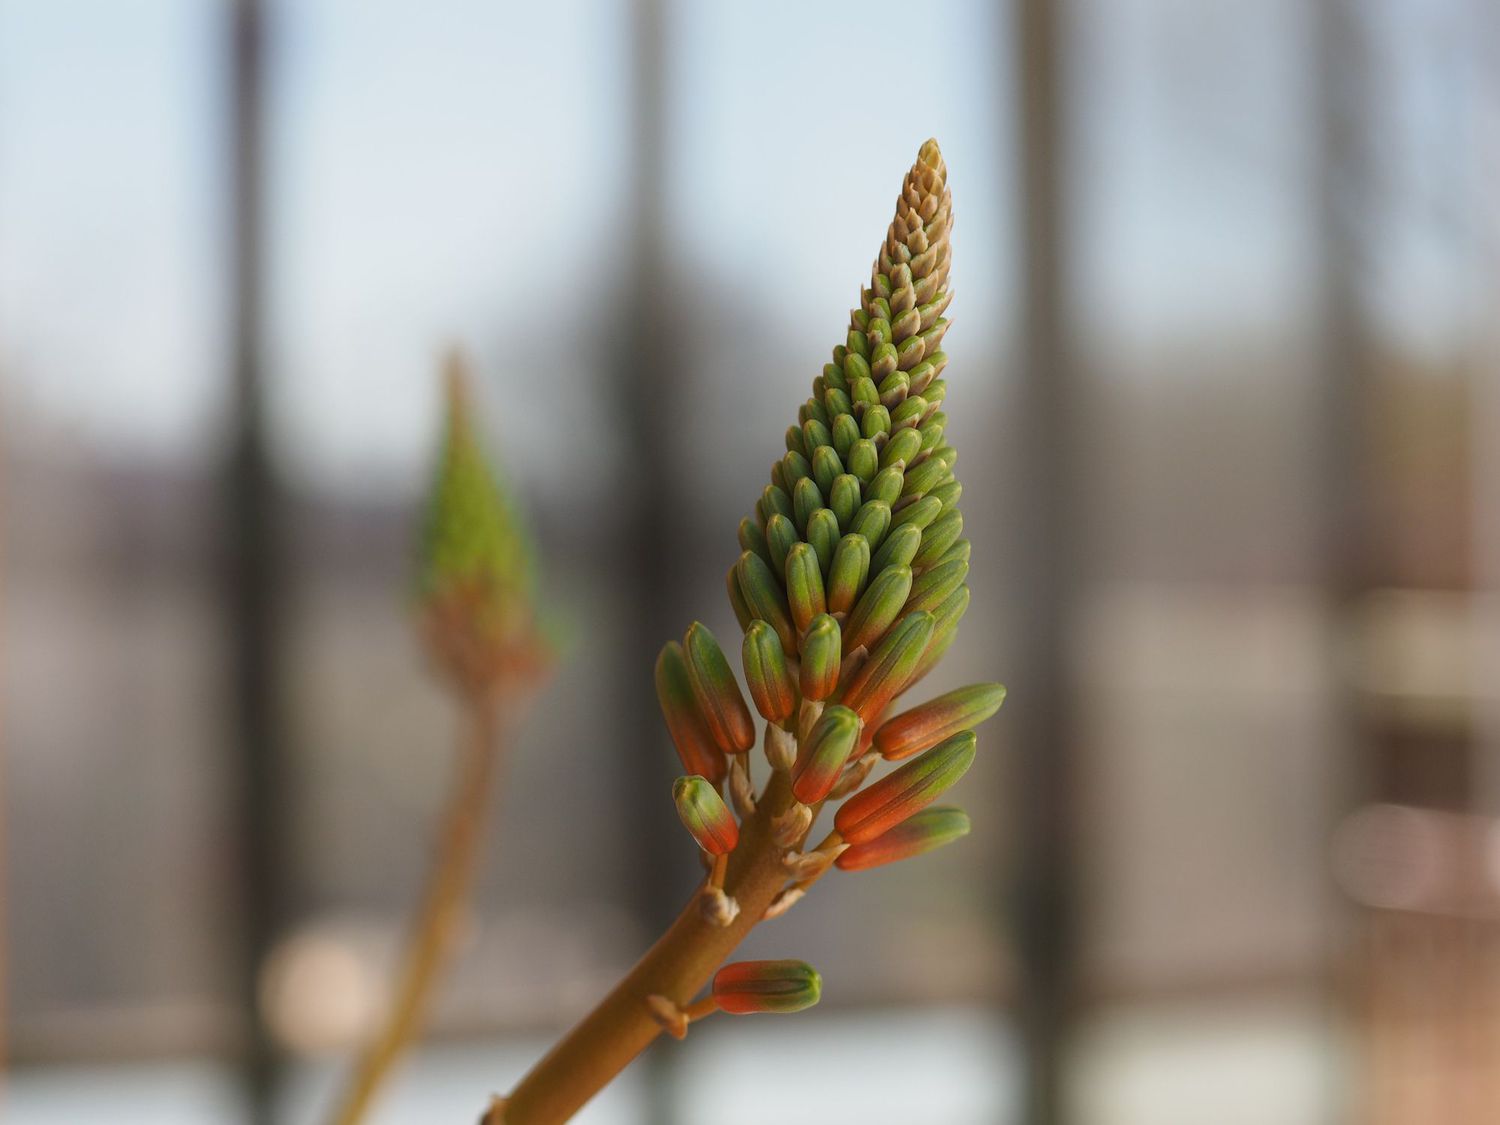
column 1223, row 383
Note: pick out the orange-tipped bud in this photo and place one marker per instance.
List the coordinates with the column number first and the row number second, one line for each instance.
column 822, row 646
column 910, row 789
column 770, row 680
column 751, row 987
column 821, row 758
column 916, row 835
column 718, row 695
column 924, row 726
column 705, row 815
column 699, row 752
column 889, row 666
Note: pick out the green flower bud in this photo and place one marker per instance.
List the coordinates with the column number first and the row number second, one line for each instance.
column 795, row 467
column 938, row 537
column 827, row 466
column 877, row 420
column 765, row 599
column 872, row 520
column 806, row 499
column 916, row 835
column 723, row 708
column 909, row 413
column 774, row 500
column 894, row 798
column 794, row 442
column 804, row 585
column 752, row 538
column 864, row 460
column 899, row 548
column 846, row 577
column 823, row 534
column 959, row 552
column 925, row 476
column 936, row 583
column 901, row 447
column 919, row 513
column 886, row 487
column 948, row 494
column 737, row 598
column 879, row 606
column 696, row 747
column 815, row 435
column 822, row 647
column 845, row 434
column 767, row 674
column 822, row 755
column 704, row 814
column 781, row 537
column 752, row 987
column 844, row 499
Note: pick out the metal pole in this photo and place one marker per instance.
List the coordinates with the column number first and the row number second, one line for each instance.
column 647, row 376
column 249, row 574
column 1050, row 513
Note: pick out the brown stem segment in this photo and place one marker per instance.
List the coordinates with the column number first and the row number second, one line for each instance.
column 435, row 926
column 677, row 967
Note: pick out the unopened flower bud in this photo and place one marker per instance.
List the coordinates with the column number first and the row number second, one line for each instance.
column 926, row 725
column 705, row 815
column 696, row 747
column 885, row 804
column 916, row 835
column 938, row 537
column 804, row 585
column 765, row 599
column 846, row 577
column 766, row 672
column 879, row 606
column 719, row 699
column 899, row 548
column 822, row 756
column 821, row 647
column 823, row 533
column 936, row 583
column 750, row 987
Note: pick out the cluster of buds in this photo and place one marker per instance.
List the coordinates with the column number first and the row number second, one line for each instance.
column 477, row 578
column 849, row 588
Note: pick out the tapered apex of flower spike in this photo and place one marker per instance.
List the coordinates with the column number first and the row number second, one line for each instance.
column 914, row 836
column 476, row 581
column 705, row 815
column 753, row 987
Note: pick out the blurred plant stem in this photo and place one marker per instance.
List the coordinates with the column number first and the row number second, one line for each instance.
column 439, row 919
column 677, row 967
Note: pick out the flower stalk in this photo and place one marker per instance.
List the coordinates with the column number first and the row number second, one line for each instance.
column 477, row 614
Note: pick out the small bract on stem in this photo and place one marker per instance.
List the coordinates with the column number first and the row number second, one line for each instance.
column 849, row 587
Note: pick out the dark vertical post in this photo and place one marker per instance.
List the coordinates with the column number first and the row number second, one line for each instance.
column 647, row 376
column 249, row 567
column 1043, row 715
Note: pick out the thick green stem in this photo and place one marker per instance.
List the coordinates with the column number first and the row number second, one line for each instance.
column 677, row 967
column 437, row 922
